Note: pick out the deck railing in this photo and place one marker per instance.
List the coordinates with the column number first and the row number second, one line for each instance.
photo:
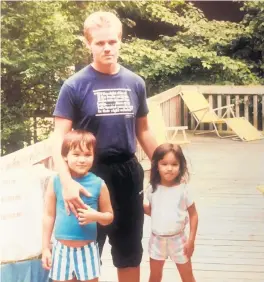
column 248, row 100
column 39, row 153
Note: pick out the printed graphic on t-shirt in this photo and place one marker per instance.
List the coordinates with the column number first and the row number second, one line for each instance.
column 114, row 102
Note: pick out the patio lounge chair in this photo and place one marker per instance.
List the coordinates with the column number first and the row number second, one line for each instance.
column 202, row 112
column 160, row 130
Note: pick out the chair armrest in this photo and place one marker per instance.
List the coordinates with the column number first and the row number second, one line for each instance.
column 176, row 127
column 224, row 107
column 202, row 109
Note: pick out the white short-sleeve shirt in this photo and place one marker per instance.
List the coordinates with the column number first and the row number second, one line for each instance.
column 169, row 208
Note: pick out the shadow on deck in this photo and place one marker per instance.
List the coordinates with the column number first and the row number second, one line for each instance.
column 230, row 240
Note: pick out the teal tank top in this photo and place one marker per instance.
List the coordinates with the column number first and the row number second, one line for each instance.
column 67, row 227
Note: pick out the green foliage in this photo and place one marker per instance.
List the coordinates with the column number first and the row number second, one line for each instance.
column 196, row 53
column 42, row 42
column 250, row 45
column 38, row 42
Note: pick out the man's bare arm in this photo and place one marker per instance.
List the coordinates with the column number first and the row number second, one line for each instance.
column 61, row 128
column 145, row 136
column 147, row 208
column 71, row 189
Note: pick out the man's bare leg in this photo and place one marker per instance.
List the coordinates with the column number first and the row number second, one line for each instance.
column 129, row 274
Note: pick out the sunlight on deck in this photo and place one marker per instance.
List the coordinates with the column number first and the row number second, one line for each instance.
column 230, row 240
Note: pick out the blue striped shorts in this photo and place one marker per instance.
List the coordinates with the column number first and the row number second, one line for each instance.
column 68, row 262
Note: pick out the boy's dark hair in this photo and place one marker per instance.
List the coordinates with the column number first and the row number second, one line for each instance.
column 158, row 155
column 77, row 139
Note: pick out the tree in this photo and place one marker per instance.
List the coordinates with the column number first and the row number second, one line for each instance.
column 191, row 52
column 38, row 43
column 249, row 47
column 174, row 44
column 41, row 46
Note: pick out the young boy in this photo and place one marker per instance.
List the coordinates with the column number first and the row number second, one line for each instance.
column 75, row 255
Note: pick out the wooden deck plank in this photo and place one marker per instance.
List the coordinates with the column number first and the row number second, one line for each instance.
column 171, row 275
column 230, row 238
column 209, row 266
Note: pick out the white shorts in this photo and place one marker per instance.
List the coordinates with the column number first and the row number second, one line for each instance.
column 68, row 262
column 162, row 247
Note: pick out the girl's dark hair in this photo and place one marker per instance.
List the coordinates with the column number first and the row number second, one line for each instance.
column 77, row 139
column 158, row 155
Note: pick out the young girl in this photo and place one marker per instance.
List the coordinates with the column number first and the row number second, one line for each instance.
column 75, row 254
column 169, row 203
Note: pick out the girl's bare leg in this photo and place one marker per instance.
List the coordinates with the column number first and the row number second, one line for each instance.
column 186, row 272
column 156, row 269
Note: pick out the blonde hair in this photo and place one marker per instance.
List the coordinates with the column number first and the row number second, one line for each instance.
column 101, row 19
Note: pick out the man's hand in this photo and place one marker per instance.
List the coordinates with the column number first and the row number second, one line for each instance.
column 71, row 195
column 188, row 248
column 87, row 215
column 46, row 259
column 147, row 208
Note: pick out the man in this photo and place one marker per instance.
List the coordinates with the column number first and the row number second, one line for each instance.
column 109, row 101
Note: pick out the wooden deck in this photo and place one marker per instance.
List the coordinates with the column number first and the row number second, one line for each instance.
column 230, row 240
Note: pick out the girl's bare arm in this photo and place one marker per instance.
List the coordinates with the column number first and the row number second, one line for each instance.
column 193, row 222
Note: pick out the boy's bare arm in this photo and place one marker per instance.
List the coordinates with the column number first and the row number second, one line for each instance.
column 105, row 215
column 49, row 215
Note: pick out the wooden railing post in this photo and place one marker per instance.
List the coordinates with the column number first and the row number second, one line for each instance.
column 255, row 111
column 262, row 112
column 237, row 106
column 210, row 100
column 219, row 104
column 246, row 105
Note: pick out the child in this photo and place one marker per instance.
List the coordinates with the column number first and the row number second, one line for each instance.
column 169, row 202
column 75, row 254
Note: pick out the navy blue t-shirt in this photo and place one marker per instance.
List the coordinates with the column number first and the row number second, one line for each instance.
column 106, row 105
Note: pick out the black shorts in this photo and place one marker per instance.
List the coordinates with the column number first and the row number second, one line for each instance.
column 124, row 179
